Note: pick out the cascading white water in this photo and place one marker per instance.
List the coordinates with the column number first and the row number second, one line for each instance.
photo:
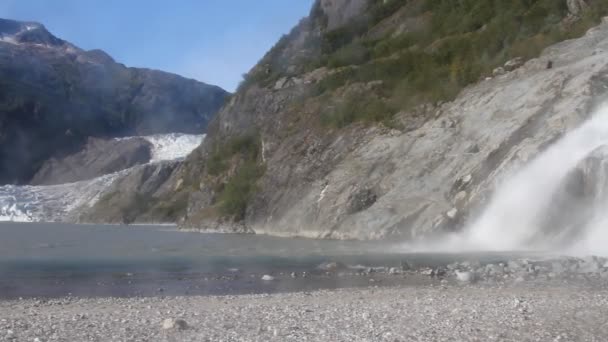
column 172, row 146
column 514, row 214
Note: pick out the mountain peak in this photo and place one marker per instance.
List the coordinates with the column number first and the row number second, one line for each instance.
column 27, row 32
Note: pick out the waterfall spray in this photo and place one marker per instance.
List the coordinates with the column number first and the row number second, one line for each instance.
column 512, row 219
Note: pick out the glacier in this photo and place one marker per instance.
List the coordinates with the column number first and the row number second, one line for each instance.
column 53, row 203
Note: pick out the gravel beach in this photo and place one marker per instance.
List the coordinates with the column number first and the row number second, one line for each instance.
column 530, row 311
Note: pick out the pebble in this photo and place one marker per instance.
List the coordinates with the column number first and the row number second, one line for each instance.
column 477, row 312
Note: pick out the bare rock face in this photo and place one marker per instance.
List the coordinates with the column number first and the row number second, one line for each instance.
column 97, row 158
column 576, row 6
column 339, row 12
column 584, row 192
column 132, row 195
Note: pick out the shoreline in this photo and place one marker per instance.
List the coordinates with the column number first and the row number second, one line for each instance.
column 531, row 311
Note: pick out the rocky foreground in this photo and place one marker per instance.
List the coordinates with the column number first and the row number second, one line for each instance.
column 522, row 300
column 553, row 312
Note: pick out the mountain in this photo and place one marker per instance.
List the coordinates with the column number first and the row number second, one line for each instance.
column 54, row 96
column 389, row 118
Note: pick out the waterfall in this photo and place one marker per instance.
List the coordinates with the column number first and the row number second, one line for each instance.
column 513, row 219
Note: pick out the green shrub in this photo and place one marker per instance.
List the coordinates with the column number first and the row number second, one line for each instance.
column 356, row 108
column 234, row 195
column 247, row 146
column 465, row 40
column 351, row 54
column 237, row 192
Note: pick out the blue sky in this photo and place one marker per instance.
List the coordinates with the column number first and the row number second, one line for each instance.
column 214, row 41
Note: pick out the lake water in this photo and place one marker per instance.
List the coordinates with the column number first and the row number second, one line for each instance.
column 53, row 259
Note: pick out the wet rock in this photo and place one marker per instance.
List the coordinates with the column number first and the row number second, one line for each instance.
column 460, row 200
column 452, row 214
column 465, row 277
column 439, row 272
column 331, row 266
column 406, row 265
column 427, row 271
column 394, row 271
column 494, row 270
column 589, row 265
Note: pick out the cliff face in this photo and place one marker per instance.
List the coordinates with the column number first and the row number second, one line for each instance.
column 98, row 157
column 383, row 119
column 53, row 96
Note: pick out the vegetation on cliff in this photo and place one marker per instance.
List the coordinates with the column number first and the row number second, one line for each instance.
column 316, row 93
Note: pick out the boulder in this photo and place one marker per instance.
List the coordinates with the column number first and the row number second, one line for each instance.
column 331, row 266
column 498, row 71
column 361, row 200
column 267, row 277
column 174, row 324
column 465, row 277
column 513, row 64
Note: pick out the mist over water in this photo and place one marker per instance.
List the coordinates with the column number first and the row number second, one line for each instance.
column 513, row 219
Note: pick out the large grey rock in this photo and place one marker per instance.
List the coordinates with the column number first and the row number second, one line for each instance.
column 97, row 158
column 132, row 195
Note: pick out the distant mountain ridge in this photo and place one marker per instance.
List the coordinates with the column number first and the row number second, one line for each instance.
column 54, row 96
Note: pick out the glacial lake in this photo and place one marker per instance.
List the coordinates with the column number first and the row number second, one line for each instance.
column 56, row 259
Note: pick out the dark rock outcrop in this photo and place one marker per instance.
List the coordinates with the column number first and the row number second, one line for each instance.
column 133, row 196
column 54, row 96
column 97, row 158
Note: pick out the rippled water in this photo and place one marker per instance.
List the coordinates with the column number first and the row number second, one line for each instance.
column 51, row 259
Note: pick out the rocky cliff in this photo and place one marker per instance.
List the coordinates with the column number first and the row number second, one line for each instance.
column 98, row 157
column 383, row 119
column 54, row 96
